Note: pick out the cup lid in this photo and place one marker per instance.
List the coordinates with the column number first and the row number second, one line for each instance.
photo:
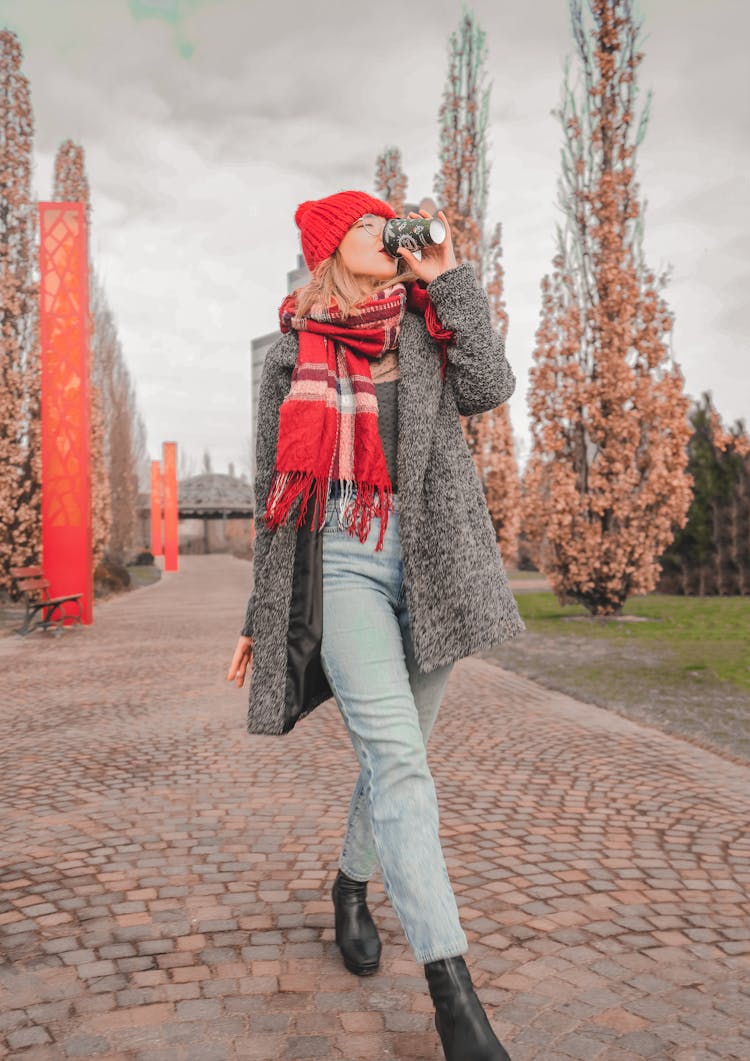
column 437, row 230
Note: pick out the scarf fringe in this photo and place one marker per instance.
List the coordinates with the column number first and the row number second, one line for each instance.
column 286, row 488
column 366, row 505
column 358, row 508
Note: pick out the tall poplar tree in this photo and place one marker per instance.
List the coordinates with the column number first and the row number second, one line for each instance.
column 711, row 553
column 125, row 435
column 461, row 186
column 390, row 179
column 462, row 181
column 71, row 185
column 606, row 483
column 118, row 437
column 20, row 466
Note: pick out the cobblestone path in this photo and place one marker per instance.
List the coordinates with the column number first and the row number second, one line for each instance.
column 165, row 879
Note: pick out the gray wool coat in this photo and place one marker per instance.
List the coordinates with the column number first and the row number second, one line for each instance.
column 457, row 591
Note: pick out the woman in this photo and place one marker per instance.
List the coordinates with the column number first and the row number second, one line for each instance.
column 359, row 433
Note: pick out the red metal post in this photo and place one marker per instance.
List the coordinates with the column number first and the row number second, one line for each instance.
column 169, row 459
column 156, row 509
column 65, row 403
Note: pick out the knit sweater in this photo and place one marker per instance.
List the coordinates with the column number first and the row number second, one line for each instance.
column 457, row 591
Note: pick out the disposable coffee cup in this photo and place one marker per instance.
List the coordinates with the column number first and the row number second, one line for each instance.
column 413, row 233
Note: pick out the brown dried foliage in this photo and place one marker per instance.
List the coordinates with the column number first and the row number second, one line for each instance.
column 461, row 184
column 606, row 486
column 124, row 439
column 118, row 436
column 390, row 179
column 72, row 186
column 70, row 181
column 20, row 465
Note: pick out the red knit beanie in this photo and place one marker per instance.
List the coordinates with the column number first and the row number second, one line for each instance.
column 323, row 223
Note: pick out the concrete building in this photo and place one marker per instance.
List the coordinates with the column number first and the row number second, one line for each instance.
column 259, row 348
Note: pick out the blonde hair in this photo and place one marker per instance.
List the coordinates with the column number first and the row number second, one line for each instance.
column 332, row 279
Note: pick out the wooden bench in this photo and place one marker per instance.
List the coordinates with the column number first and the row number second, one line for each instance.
column 41, row 609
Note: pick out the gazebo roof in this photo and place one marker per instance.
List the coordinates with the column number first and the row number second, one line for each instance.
column 215, row 492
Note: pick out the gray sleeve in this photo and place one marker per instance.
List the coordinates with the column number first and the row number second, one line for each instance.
column 477, row 366
column 274, row 387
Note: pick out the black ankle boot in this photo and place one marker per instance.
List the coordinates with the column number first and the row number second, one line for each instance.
column 462, row 1024
column 356, row 934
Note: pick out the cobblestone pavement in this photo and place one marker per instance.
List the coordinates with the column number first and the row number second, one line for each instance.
column 165, row 879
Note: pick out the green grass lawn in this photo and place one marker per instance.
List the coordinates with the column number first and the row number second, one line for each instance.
column 143, row 574
column 710, row 635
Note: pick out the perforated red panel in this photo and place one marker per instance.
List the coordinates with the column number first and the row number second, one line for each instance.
column 64, row 337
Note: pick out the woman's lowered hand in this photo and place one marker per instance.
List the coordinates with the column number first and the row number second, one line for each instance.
column 243, row 656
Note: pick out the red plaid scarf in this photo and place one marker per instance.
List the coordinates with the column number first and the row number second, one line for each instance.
column 328, row 423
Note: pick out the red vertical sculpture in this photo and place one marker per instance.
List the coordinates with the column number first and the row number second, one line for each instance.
column 65, row 429
column 169, row 460
column 156, row 513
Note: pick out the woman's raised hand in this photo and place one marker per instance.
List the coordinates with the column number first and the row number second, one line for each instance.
column 436, row 258
column 242, row 658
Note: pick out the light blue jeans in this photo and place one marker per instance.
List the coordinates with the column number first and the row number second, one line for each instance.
column 389, row 708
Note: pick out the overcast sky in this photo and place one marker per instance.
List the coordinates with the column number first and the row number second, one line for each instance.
column 205, row 123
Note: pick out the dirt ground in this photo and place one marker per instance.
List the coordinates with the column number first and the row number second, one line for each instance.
column 629, row 679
